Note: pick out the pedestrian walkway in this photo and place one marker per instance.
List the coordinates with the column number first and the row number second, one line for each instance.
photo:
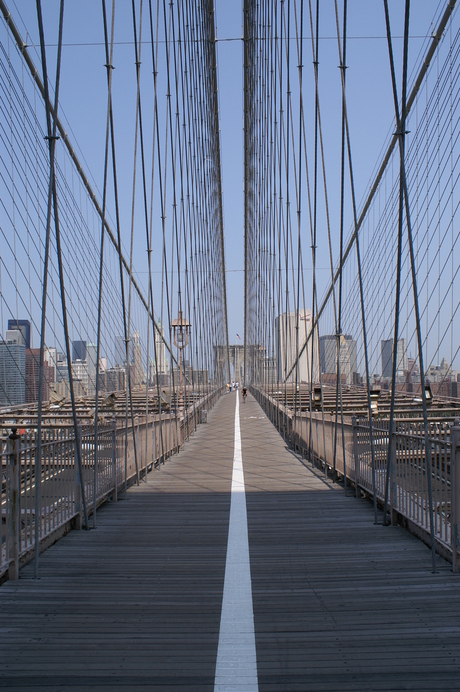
column 338, row 602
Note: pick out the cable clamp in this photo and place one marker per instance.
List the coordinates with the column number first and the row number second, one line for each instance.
column 400, row 133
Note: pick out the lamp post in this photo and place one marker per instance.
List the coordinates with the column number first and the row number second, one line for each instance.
column 181, row 330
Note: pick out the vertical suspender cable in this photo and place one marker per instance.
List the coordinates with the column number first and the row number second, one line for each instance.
column 299, row 211
column 52, row 143
column 53, row 186
column 338, row 399
column 109, row 68
column 246, row 86
column 315, row 215
column 402, row 135
column 156, row 139
column 360, row 279
column 400, row 123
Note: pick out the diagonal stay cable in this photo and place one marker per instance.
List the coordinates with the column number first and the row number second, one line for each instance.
column 23, row 49
column 401, row 124
column 109, row 68
column 51, row 143
column 360, row 278
column 435, row 40
column 53, row 190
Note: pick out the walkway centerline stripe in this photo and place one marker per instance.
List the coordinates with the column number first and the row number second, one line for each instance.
column 236, row 667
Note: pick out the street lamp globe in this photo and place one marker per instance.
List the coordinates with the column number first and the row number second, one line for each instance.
column 181, row 329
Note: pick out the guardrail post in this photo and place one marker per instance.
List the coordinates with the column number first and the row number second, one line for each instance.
column 78, row 481
column 138, row 448
column 114, row 460
column 355, row 454
column 393, row 499
column 13, row 506
column 455, row 493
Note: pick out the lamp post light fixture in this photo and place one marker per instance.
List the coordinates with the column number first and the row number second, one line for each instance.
column 181, row 331
column 428, row 395
column 317, row 397
column 374, row 395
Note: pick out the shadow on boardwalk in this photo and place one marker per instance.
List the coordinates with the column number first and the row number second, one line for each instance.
column 339, row 603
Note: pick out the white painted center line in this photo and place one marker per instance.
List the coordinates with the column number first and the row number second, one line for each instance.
column 236, row 667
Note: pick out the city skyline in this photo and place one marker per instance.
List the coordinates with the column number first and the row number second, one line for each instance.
column 79, row 72
column 19, row 365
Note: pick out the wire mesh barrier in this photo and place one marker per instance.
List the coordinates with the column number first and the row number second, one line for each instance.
column 108, row 468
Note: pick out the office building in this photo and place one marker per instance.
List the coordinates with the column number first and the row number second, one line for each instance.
column 61, row 373
column 12, row 370
column 78, row 350
column 22, row 326
column 15, row 336
column 161, row 365
column 287, row 344
column 80, row 375
column 138, row 375
column 387, row 358
column 32, row 376
column 120, row 351
column 91, row 359
column 50, row 356
column 348, row 357
column 112, row 379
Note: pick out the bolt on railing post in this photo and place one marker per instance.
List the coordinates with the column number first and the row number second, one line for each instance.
column 355, row 453
column 78, row 481
column 455, row 492
column 13, row 506
column 114, row 460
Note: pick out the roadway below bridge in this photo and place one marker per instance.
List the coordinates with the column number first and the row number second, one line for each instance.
column 323, row 600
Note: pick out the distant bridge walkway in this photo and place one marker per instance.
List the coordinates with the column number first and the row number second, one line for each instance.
column 331, row 601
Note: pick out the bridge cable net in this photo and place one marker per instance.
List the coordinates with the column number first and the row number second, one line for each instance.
column 351, row 282
column 112, row 270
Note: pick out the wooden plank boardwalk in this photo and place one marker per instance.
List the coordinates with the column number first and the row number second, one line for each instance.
column 339, row 603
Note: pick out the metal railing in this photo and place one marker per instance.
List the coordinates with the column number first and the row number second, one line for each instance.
column 343, row 450
column 104, row 474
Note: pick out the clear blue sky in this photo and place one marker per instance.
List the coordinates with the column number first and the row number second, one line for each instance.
column 370, row 105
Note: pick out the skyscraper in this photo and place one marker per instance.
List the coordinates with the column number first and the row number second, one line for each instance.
column 51, row 357
column 387, row 358
column 80, row 375
column 287, row 343
column 139, row 375
column 348, row 356
column 12, row 370
column 24, row 327
column 160, row 349
column 120, row 350
column 32, row 376
column 78, row 350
